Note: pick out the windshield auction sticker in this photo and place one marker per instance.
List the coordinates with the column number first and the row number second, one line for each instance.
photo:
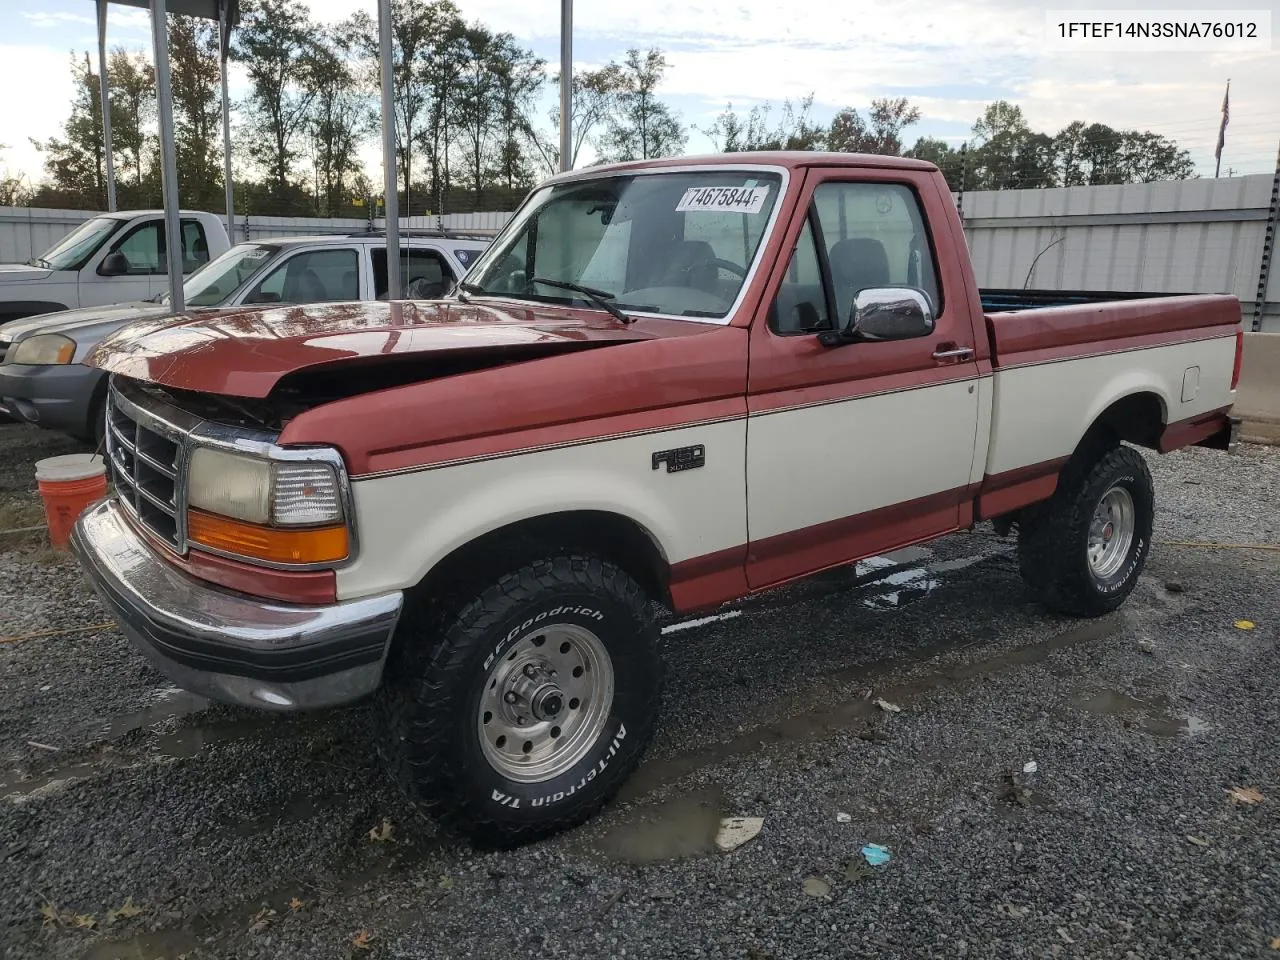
column 723, row 200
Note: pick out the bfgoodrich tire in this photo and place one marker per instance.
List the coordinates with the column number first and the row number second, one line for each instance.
column 520, row 712
column 1083, row 551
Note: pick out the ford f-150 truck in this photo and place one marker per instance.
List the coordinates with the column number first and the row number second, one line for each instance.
column 679, row 381
column 111, row 258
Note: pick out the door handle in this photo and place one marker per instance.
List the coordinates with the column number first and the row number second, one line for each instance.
column 953, row 353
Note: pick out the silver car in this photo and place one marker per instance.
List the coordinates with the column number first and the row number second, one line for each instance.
column 44, row 381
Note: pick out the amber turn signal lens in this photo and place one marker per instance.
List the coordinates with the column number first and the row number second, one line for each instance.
column 275, row 544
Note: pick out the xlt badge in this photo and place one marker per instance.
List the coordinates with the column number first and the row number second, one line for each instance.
column 681, row 458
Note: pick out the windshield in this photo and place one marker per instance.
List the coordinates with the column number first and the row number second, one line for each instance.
column 679, row 244
column 213, row 284
column 71, row 252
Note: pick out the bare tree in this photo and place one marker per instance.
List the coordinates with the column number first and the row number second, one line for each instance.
column 794, row 131
column 276, row 45
column 641, row 126
column 592, row 97
column 340, row 120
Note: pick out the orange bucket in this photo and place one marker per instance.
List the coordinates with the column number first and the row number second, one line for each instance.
column 68, row 485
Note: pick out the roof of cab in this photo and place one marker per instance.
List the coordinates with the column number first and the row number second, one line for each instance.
column 379, row 239
column 791, row 159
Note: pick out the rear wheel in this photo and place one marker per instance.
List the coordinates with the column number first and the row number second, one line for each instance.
column 1082, row 552
column 521, row 711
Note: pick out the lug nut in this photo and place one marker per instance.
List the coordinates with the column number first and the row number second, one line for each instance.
column 511, row 696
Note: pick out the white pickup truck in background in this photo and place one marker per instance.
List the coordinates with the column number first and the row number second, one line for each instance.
column 111, row 258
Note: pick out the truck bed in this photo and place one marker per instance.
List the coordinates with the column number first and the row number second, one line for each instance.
column 1031, row 326
column 1061, row 360
column 996, row 300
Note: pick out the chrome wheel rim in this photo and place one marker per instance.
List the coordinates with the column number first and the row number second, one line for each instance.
column 545, row 703
column 1111, row 532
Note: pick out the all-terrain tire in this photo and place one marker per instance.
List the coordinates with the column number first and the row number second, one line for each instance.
column 1053, row 540
column 450, row 649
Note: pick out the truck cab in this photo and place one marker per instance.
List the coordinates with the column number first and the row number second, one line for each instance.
column 110, row 258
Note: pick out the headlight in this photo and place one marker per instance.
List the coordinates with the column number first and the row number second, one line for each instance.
column 280, row 493
column 45, row 349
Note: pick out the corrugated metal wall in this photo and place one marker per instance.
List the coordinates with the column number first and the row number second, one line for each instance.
column 1191, row 236
column 28, row 232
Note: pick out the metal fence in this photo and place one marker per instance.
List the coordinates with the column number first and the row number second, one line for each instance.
column 1190, row 236
column 27, row 232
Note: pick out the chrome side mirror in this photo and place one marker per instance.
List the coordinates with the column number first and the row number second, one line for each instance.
column 885, row 313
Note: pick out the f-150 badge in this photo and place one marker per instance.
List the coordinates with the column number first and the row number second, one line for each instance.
column 681, row 458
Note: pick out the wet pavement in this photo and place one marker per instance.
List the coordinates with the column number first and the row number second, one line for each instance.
column 1046, row 787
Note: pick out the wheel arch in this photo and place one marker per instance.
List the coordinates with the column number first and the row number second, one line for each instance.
column 612, row 536
column 25, row 309
column 1137, row 417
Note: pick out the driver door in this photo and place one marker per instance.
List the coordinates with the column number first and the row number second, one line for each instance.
column 862, row 447
column 143, row 249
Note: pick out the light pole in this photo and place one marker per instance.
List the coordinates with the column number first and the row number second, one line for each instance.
column 160, row 10
column 224, row 53
column 391, row 204
column 566, row 85
column 168, row 156
column 105, row 96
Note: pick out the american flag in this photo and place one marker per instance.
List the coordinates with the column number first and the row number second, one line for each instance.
column 1226, row 118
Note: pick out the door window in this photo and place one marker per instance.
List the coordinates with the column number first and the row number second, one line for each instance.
column 424, row 274
column 316, row 276
column 875, row 236
column 801, row 303
column 144, row 248
column 195, row 248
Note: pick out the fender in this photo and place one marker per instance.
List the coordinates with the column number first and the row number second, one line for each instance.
column 408, row 522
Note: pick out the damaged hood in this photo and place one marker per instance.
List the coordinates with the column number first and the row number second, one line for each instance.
column 245, row 352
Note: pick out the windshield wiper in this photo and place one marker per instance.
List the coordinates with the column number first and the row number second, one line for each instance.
column 464, row 288
column 600, row 298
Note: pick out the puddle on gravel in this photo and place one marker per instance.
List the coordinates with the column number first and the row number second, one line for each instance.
column 298, row 808
column 149, row 946
column 675, row 829
column 199, row 933
column 13, row 787
column 172, row 705
column 1151, row 716
column 902, row 588
column 859, row 712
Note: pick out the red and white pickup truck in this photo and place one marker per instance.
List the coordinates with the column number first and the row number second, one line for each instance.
column 681, row 381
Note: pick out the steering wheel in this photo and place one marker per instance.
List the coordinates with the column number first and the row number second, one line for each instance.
column 716, row 262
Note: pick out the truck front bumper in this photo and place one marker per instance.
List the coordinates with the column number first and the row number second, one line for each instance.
column 230, row 646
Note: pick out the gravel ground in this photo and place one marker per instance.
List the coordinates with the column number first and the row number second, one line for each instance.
column 139, row 822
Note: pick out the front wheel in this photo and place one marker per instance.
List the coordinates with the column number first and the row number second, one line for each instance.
column 1083, row 551
column 522, row 713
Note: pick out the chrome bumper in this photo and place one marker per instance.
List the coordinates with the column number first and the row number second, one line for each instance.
column 230, row 646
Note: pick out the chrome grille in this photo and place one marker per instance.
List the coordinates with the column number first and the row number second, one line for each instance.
column 146, row 456
column 4, row 349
